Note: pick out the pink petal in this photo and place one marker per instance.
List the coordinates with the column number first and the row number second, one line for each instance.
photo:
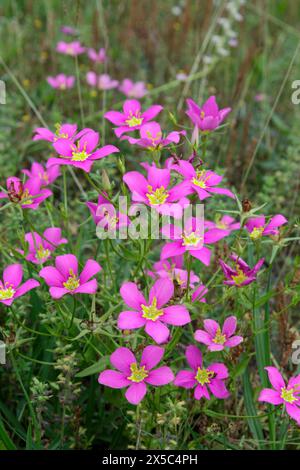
column 163, row 291
column 203, row 337
column 52, row 276
column 58, row 292
column 90, row 269
column 13, row 274
column 220, row 370
column 229, row 326
column 269, row 395
column 89, row 287
column 176, row 315
column 158, row 177
column 275, row 378
column 293, row 411
column 203, row 255
column 137, row 184
column 152, row 112
column 193, row 356
column 185, row 379
column 234, row 341
column 130, row 320
column 64, row 147
column 161, row 376
column 172, row 249
column 211, row 326
column 27, row 286
column 113, row 379
column 131, row 107
column 115, row 117
column 65, row 264
column 132, row 296
column 151, row 356
column 201, row 391
column 136, row 392
column 159, row 332
column 121, row 359
column 104, row 151
column 218, row 389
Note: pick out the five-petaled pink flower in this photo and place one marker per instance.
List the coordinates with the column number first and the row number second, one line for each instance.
column 173, row 270
column 257, row 226
column 70, row 48
column 133, row 90
column 203, row 378
column 97, row 56
column 152, row 315
column 64, row 277
column 216, row 338
column 208, row 117
column 151, row 137
column 81, row 154
column 105, row 214
column 45, row 175
column 61, row 81
column 132, row 117
column 205, row 183
column 282, row 394
column 136, row 377
column 154, row 191
column 63, row 131
column 29, row 195
column 190, row 239
column 11, row 287
column 40, row 248
column 102, row 82
column 241, row 274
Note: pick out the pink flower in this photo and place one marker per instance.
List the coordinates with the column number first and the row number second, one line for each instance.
column 82, row 154
column 61, row 81
column 69, row 31
column 63, row 131
column 174, row 271
column 29, row 195
column 104, row 213
column 152, row 315
column 241, row 274
column 226, row 223
column 102, row 82
column 257, row 227
column 151, row 137
column 203, row 182
column 190, row 239
column 11, row 287
column 216, row 338
column 203, row 378
column 133, row 90
column 132, row 118
column 41, row 248
column 280, row 394
column 154, row 191
column 98, row 57
column 64, row 278
column 70, row 48
column 208, row 117
column 46, row 175
column 136, row 378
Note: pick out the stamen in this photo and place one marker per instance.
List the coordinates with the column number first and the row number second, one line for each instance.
column 138, row 374
column 157, row 197
column 204, row 376
column 151, row 312
column 73, row 282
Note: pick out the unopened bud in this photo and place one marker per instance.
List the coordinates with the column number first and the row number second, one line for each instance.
column 105, row 181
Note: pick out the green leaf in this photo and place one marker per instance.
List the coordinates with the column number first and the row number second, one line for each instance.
column 95, row 368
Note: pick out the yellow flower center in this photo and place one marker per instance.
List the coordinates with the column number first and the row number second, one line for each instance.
column 151, row 312
column 79, row 156
column 59, row 134
column 62, row 86
column 203, row 376
column 138, row 374
column 157, row 197
column 221, row 225
column 219, row 338
column 134, row 120
column 192, row 239
column 6, row 293
column 153, row 138
column 70, row 50
column 200, row 179
column 73, row 282
column 288, row 395
column 256, row 233
column 42, row 253
column 202, row 114
column 26, row 199
column 240, row 277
